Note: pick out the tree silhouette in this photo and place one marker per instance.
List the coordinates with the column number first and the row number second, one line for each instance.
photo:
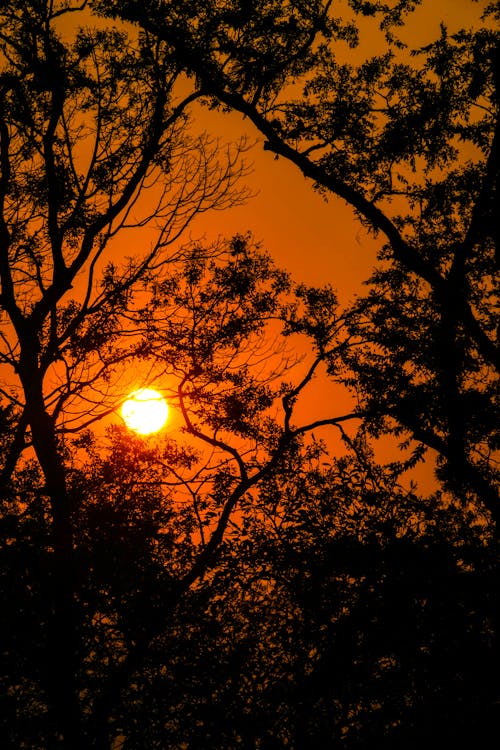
column 150, row 523
column 80, row 144
column 233, row 585
column 410, row 141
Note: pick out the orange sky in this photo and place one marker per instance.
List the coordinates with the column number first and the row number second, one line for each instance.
column 317, row 241
column 320, row 241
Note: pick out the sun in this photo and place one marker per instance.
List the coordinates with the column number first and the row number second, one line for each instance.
column 145, row 411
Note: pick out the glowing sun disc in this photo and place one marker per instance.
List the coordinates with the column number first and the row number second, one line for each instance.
column 145, row 411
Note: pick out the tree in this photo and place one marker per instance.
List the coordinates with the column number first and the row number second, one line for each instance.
column 214, row 328
column 342, row 610
column 410, row 141
column 80, row 145
column 133, row 572
column 215, row 324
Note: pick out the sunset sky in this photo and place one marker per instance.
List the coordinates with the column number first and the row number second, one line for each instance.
column 317, row 241
column 240, row 511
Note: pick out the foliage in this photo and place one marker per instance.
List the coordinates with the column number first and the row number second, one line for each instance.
column 342, row 610
column 234, row 585
column 84, row 155
column 149, row 524
column 408, row 138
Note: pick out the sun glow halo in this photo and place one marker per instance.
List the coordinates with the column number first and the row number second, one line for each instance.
column 145, row 411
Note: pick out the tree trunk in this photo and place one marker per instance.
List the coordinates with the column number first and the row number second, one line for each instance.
column 62, row 647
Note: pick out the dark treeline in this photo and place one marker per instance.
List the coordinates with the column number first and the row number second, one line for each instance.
column 232, row 583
